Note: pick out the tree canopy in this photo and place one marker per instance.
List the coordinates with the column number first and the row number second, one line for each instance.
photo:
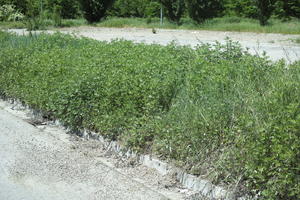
column 174, row 10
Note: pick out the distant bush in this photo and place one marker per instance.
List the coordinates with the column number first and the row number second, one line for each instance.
column 285, row 9
column 265, row 10
column 135, row 8
column 200, row 10
column 216, row 110
column 9, row 13
column 245, row 8
column 174, row 9
column 95, row 10
column 69, row 9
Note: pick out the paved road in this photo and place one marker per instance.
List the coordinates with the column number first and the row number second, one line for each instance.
column 47, row 164
column 277, row 46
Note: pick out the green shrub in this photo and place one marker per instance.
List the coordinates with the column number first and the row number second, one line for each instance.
column 95, row 10
column 200, row 10
column 134, row 8
column 245, row 8
column 216, row 110
column 57, row 15
column 9, row 13
column 174, row 9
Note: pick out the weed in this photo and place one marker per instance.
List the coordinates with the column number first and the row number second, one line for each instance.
column 297, row 40
column 217, row 110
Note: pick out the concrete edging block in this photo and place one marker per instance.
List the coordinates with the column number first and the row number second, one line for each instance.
column 201, row 186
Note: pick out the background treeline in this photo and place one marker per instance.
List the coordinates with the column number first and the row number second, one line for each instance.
column 174, row 10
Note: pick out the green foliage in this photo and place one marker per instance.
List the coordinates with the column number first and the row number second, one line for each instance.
column 285, row 9
column 200, row 10
column 217, row 110
column 19, row 5
column 57, row 15
column 245, row 8
column 135, row 8
column 174, row 9
column 16, row 24
column 297, row 40
column 33, row 9
column 68, row 9
column 153, row 10
column 9, row 13
column 34, row 16
column 265, row 9
column 95, row 10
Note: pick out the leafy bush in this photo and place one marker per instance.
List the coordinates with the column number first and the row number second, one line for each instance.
column 19, row 5
column 69, row 9
column 9, row 13
column 174, row 10
column 200, row 10
column 216, row 110
column 265, row 10
column 135, row 8
column 57, row 15
column 284, row 9
column 95, row 10
column 245, row 8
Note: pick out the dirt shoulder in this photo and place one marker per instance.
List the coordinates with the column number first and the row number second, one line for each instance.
column 41, row 161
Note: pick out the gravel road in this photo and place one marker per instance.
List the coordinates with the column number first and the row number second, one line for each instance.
column 43, row 162
column 277, row 46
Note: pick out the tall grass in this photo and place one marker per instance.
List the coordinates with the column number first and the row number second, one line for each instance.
column 217, row 111
column 9, row 25
column 216, row 24
column 251, row 25
column 46, row 24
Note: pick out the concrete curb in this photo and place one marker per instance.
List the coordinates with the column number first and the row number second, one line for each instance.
column 204, row 188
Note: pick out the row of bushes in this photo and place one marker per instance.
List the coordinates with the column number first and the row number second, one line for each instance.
column 215, row 110
column 198, row 10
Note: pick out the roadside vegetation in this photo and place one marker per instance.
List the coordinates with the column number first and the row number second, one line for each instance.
column 216, row 110
column 297, row 40
column 262, row 16
column 216, row 24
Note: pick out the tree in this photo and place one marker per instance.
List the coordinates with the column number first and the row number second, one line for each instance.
column 265, row 9
column 133, row 8
column 68, row 8
column 284, row 9
column 245, row 8
column 174, row 8
column 200, row 10
column 95, row 10
column 33, row 9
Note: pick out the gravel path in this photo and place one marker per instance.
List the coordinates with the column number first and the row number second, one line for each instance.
column 277, row 46
column 41, row 162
